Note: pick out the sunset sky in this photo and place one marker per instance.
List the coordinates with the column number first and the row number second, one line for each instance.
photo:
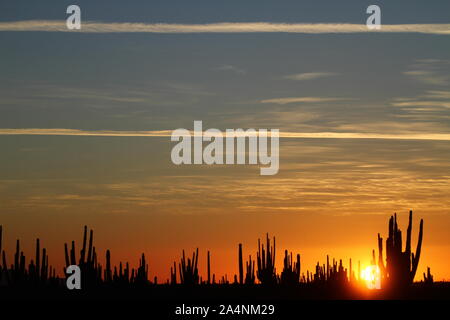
column 382, row 97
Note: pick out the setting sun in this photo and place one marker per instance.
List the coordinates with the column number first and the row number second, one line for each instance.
column 372, row 276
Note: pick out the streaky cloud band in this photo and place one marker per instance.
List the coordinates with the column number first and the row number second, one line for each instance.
column 224, row 27
column 167, row 133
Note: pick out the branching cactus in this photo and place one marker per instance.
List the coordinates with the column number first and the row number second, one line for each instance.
column 108, row 273
column 142, row 272
column 173, row 274
column 4, row 274
column 188, row 269
column 291, row 272
column 250, row 271
column 401, row 266
column 266, row 263
column 91, row 271
column 428, row 277
column 249, row 278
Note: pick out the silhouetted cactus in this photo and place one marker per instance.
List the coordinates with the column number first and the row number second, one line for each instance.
column 142, row 272
column 173, row 273
column 3, row 265
column 351, row 274
column 266, row 272
column 250, row 271
column 188, row 269
column 108, row 272
column 241, row 265
column 428, row 277
column 90, row 270
column 291, row 272
column 209, row 267
column 249, row 278
column 334, row 273
column 36, row 273
column 401, row 266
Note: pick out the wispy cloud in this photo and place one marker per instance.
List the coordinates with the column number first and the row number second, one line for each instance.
column 422, row 103
column 230, row 68
column 438, row 94
column 78, row 132
column 309, row 76
column 406, row 128
column 430, row 71
column 431, row 100
column 168, row 133
column 238, row 27
column 302, row 100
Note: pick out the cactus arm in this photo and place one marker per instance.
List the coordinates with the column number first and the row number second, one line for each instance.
column 416, row 257
column 209, row 268
column 91, row 236
column 408, row 235
column 273, row 253
column 196, row 258
column 66, row 255
column 83, row 251
column 38, row 263
column 241, row 267
column 380, row 255
column 72, row 253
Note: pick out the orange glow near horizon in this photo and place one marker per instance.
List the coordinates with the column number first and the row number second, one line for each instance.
column 128, row 238
column 329, row 198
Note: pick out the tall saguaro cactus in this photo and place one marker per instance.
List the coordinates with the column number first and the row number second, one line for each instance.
column 241, row 265
column 208, row 264
column 188, row 269
column 250, row 271
column 401, row 266
column 266, row 263
column 291, row 271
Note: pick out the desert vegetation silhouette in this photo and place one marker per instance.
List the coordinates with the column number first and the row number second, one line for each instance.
column 394, row 270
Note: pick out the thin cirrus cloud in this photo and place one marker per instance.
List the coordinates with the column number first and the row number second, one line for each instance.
column 428, row 77
column 309, row 76
column 302, row 100
column 168, row 133
column 430, row 71
column 438, row 94
column 432, row 99
column 231, row 27
column 422, row 103
column 230, row 68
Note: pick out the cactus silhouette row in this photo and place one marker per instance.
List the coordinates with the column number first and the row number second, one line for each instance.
column 398, row 269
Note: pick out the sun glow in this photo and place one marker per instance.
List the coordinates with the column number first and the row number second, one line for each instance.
column 372, row 276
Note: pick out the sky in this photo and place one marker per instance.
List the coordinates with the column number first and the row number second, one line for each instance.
column 72, row 101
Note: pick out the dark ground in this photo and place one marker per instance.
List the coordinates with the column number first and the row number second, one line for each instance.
column 303, row 301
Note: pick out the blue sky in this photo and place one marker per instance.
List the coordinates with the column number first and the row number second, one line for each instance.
column 159, row 81
column 194, row 11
